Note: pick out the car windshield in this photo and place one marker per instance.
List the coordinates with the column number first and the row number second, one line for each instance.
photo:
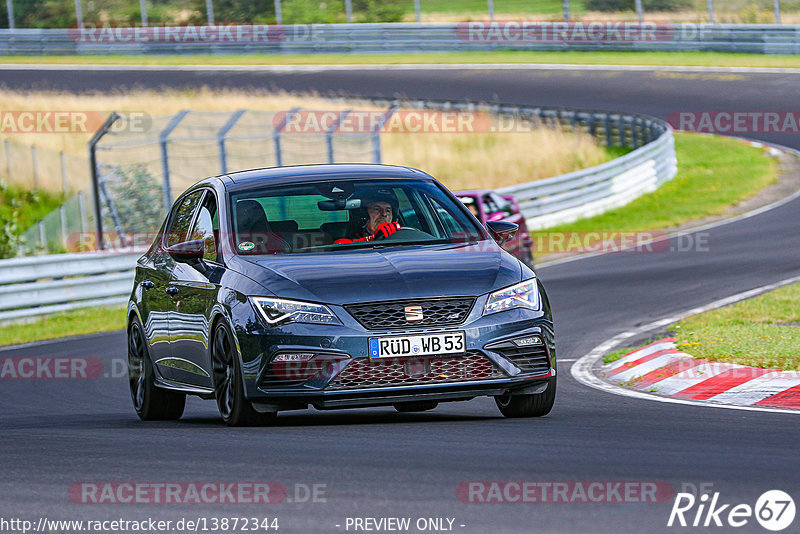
column 344, row 214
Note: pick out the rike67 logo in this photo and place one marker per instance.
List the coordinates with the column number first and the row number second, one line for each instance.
column 774, row 510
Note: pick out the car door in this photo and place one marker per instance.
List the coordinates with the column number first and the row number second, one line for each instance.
column 196, row 284
column 160, row 297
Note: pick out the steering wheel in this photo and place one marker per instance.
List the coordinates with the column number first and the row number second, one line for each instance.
column 405, row 234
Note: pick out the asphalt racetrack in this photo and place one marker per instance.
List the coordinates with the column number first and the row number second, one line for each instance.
column 56, row 434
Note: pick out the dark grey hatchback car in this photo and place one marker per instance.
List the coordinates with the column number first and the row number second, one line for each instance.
column 334, row 286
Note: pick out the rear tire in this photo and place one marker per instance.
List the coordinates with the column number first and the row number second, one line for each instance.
column 415, row 406
column 535, row 405
column 234, row 408
column 150, row 402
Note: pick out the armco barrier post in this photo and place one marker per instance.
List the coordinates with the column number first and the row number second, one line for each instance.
column 777, row 11
column 210, row 12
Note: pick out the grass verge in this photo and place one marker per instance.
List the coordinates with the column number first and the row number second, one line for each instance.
column 692, row 59
column 65, row 324
column 714, row 173
column 759, row 332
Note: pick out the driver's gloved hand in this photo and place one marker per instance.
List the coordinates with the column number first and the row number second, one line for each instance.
column 384, row 230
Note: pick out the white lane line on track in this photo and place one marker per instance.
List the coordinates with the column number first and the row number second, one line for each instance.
column 401, row 67
column 582, row 369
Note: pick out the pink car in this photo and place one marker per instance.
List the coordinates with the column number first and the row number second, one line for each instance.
column 487, row 205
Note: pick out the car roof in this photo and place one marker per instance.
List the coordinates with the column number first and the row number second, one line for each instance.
column 307, row 173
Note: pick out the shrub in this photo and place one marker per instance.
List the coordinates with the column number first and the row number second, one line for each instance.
column 137, row 198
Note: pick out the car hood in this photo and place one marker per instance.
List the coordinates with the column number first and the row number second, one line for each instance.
column 386, row 274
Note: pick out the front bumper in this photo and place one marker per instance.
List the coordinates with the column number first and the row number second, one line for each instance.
column 341, row 374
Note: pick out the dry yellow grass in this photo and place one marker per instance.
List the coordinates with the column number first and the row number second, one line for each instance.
column 460, row 160
column 476, row 161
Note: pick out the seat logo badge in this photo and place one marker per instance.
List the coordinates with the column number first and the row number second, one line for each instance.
column 414, row 313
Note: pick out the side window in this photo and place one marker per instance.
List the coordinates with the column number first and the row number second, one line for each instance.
column 489, row 205
column 182, row 218
column 204, row 227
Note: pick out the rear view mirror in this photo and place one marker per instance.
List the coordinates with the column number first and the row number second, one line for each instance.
column 502, row 231
column 187, row 251
column 339, row 204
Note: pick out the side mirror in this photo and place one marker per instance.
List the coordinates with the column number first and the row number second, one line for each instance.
column 188, row 251
column 502, row 231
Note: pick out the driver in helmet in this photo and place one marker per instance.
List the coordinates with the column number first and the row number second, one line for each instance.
column 380, row 223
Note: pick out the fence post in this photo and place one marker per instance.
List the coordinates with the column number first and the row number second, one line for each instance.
column 348, row 7
column 79, row 13
column 63, row 172
column 98, row 214
column 711, row 11
column 210, row 12
column 82, row 209
column 490, row 6
column 276, row 136
column 329, row 133
column 777, row 11
column 63, row 216
column 223, row 156
column 42, row 238
column 278, row 12
column 10, row 8
column 143, row 11
column 566, row 11
column 376, row 133
column 639, row 11
column 417, row 11
column 8, row 159
column 35, row 162
column 162, row 140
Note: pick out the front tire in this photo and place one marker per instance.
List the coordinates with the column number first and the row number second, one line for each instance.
column 150, row 402
column 535, row 405
column 234, row 408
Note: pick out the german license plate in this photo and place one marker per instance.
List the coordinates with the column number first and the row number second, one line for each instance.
column 423, row 345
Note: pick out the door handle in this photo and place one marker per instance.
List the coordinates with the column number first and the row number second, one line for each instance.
column 172, row 290
column 147, row 284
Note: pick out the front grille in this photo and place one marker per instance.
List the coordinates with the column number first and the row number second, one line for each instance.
column 392, row 314
column 530, row 360
column 410, row 371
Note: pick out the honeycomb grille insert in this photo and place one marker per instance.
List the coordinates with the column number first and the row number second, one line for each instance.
column 411, row 371
column 530, row 360
column 392, row 314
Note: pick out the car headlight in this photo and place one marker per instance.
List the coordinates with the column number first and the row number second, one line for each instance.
column 280, row 311
column 522, row 295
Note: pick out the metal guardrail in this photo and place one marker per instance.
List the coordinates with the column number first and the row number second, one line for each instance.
column 47, row 284
column 591, row 191
column 405, row 37
column 588, row 192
